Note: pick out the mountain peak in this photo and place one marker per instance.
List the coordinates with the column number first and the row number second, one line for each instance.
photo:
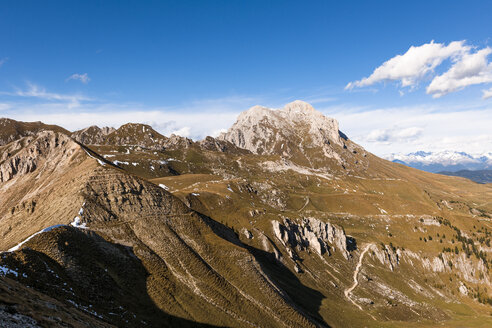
column 298, row 106
column 290, row 131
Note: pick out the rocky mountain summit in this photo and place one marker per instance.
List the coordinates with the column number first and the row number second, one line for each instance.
column 92, row 135
column 295, row 130
column 11, row 130
column 282, row 221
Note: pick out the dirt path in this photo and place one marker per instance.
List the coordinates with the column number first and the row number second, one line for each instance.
column 305, row 204
column 356, row 273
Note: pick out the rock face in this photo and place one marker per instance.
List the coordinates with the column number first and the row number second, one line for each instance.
column 223, row 146
column 92, row 135
column 29, row 152
column 298, row 125
column 313, row 234
column 131, row 134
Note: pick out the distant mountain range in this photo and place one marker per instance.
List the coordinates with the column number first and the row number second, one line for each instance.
column 480, row 176
column 448, row 161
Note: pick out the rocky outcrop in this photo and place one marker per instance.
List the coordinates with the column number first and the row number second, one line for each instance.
column 295, row 127
column 296, row 132
column 92, row 135
column 387, row 255
column 259, row 124
column 23, row 156
column 469, row 269
column 131, row 134
column 224, row 146
column 177, row 142
column 312, row 234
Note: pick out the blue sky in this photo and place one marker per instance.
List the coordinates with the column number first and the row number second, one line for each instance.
column 192, row 66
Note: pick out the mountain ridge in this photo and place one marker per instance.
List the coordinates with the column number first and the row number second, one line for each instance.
column 443, row 160
column 214, row 234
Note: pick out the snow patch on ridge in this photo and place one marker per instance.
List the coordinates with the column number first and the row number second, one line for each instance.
column 18, row 246
column 77, row 223
column 5, row 271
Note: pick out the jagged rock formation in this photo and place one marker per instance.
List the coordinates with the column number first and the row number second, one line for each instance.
column 133, row 134
column 311, row 233
column 263, row 130
column 130, row 134
column 25, row 155
column 224, row 146
column 296, row 131
column 92, row 135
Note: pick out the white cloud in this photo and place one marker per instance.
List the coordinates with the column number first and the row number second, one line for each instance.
column 218, row 132
column 3, row 61
column 486, row 94
column 468, row 67
column 472, row 68
column 429, row 127
column 184, row 131
column 394, row 134
column 84, row 78
column 35, row 91
column 413, row 65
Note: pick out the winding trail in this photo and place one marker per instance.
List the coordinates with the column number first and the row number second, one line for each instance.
column 356, row 273
column 305, row 204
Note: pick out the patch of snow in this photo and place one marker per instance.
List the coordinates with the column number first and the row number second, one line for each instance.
column 195, row 194
column 100, row 162
column 120, row 162
column 18, row 246
column 163, row 186
column 134, row 164
column 108, row 156
column 77, row 223
column 5, row 271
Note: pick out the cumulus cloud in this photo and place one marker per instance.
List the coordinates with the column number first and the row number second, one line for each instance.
column 183, row 132
column 394, row 134
column 84, row 78
column 430, row 126
column 472, row 68
column 413, row 65
column 486, row 94
column 469, row 66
